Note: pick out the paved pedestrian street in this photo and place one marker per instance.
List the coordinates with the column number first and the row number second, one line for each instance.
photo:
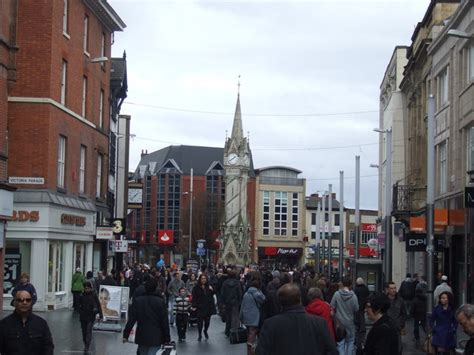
column 66, row 331
column 67, row 337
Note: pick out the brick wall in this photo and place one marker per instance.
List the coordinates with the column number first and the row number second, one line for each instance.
column 35, row 128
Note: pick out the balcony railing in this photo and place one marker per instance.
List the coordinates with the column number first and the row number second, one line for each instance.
column 402, row 200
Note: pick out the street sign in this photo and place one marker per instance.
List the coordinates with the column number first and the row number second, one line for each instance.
column 469, row 197
column 201, row 251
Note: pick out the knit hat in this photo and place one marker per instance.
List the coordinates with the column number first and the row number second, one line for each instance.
column 444, row 278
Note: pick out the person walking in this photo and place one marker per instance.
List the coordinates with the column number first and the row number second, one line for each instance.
column 407, row 292
column 442, row 287
column 397, row 307
column 383, row 337
column 89, row 308
column 203, row 304
column 345, row 305
column 362, row 292
column 23, row 332
column 419, row 314
column 151, row 315
column 321, row 308
column 173, row 291
column 293, row 331
column 251, row 310
column 231, row 295
column 25, row 285
column 444, row 325
column 191, row 282
column 465, row 317
column 181, row 310
column 77, row 287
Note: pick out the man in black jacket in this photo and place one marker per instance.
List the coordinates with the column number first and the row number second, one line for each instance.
column 23, row 332
column 293, row 331
column 465, row 317
column 231, row 295
column 151, row 314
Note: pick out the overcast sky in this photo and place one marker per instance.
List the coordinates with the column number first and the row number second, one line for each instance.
column 310, row 79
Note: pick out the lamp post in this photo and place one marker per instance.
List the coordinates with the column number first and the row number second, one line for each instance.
column 388, row 202
column 190, row 212
column 430, row 191
column 341, row 225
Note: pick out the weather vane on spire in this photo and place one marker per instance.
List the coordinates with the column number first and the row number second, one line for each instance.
column 238, row 86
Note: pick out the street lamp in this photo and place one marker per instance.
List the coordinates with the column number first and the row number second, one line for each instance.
column 459, row 34
column 388, row 202
column 190, row 193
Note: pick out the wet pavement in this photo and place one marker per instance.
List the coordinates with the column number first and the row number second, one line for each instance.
column 66, row 331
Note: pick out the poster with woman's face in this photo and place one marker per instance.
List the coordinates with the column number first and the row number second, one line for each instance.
column 110, row 298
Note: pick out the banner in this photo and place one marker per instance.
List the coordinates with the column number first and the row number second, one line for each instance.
column 11, row 271
column 165, row 237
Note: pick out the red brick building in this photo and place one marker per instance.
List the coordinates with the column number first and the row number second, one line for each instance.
column 58, row 144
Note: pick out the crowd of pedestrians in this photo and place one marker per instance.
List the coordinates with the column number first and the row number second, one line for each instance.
column 283, row 311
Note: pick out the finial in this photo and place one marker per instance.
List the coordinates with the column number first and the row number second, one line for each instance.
column 238, row 86
column 226, row 134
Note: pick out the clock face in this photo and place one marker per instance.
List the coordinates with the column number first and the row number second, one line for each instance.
column 135, row 195
column 233, row 159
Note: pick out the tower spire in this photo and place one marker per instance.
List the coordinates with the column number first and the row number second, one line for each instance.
column 237, row 130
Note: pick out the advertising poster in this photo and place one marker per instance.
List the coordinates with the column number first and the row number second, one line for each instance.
column 11, row 271
column 110, row 298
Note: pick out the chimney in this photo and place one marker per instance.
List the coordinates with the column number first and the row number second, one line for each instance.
column 144, row 152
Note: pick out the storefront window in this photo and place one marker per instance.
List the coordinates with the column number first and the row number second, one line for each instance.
column 56, row 267
column 79, row 256
column 17, row 260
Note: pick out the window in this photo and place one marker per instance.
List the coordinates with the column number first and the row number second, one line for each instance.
column 102, row 49
column 266, row 212
column 65, row 16
column 61, row 161
column 337, row 219
column 470, row 63
column 84, row 96
column 443, row 167
column 98, row 184
column 442, row 82
column 86, row 34
column 364, row 237
column 294, row 215
column 56, row 267
column 82, row 169
column 470, row 149
column 280, row 213
column 101, row 109
column 63, row 82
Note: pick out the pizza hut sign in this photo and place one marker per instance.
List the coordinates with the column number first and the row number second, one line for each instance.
column 278, row 251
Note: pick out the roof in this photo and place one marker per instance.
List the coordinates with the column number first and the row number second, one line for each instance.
column 312, row 203
column 278, row 167
column 106, row 14
column 186, row 157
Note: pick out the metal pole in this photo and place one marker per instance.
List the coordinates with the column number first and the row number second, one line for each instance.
column 330, row 231
column 341, row 225
column 357, row 210
column 323, row 224
column 388, row 205
column 430, row 202
column 190, row 212
column 318, row 236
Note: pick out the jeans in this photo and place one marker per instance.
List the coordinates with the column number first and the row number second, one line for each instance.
column 346, row 346
column 148, row 350
column 171, row 303
column 182, row 325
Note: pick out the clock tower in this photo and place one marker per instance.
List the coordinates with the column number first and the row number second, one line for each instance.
column 236, row 226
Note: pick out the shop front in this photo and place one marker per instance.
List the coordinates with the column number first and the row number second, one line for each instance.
column 275, row 256
column 49, row 241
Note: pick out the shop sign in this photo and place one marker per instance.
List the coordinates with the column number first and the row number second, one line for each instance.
column 369, row 227
column 469, row 197
column 73, row 220
column 277, row 251
column 11, row 271
column 26, row 216
column 119, row 226
column 417, row 242
column 104, row 232
column 120, row 246
column 165, row 237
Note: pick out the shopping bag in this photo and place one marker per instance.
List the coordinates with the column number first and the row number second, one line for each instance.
column 427, row 346
column 339, row 329
column 131, row 336
column 167, row 349
column 238, row 336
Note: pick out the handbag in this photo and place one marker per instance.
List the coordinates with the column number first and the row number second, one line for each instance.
column 238, row 336
column 427, row 346
column 167, row 349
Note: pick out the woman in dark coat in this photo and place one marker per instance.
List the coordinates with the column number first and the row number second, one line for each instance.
column 203, row 304
column 383, row 337
column 444, row 324
column 89, row 307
